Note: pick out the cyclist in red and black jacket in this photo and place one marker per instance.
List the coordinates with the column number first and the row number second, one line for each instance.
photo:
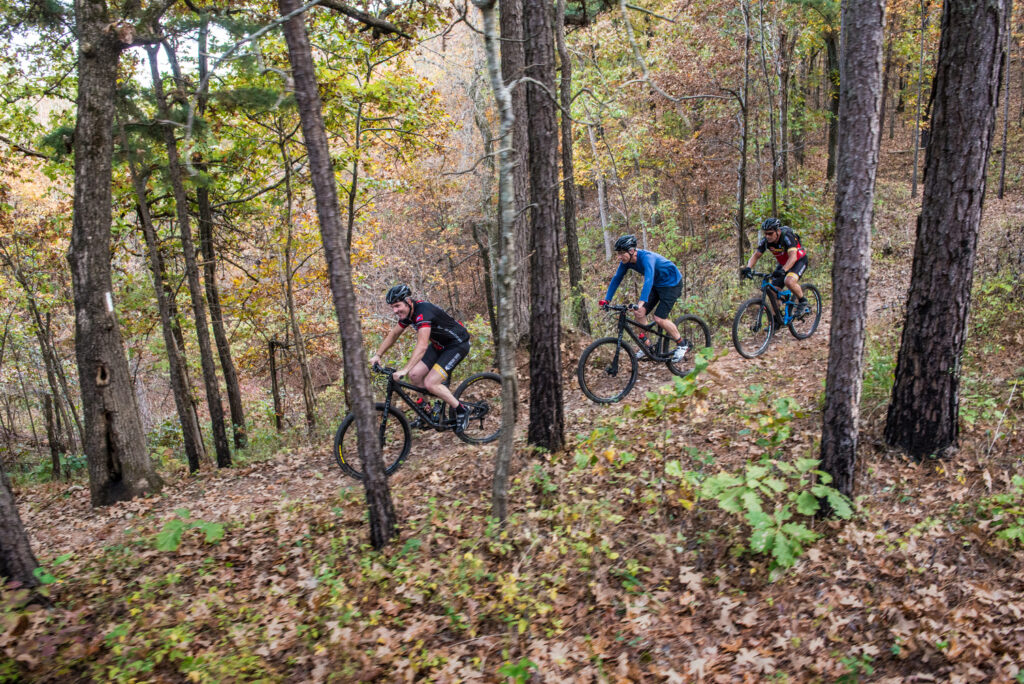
column 785, row 246
column 441, row 343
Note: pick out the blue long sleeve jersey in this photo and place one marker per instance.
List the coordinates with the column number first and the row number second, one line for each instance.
column 658, row 272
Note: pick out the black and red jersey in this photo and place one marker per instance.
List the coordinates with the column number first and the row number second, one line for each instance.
column 788, row 240
column 445, row 331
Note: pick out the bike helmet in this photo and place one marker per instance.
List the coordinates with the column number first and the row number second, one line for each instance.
column 398, row 293
column 625, row 243
column 771, row 224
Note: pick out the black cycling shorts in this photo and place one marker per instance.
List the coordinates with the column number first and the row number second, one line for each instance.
column 779, row 276
column 445, row 359
column 663, row 299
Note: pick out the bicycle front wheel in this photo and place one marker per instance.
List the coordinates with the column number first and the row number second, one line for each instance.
column 482, row 394
column 395, row 442
column 752, row 328
column 607, row 370
column 695, row 334
column 804, row 327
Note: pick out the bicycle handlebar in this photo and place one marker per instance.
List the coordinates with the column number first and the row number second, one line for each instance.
column 383, row 370
column 620, row 307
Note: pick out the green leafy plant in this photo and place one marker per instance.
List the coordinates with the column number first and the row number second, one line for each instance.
column 1004, row 512
column 169, row 538
column 768, row 495
column 518, row 672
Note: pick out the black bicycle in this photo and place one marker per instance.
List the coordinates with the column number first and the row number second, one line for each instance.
column 758, row 318
column 480, row 392
column 607, row 369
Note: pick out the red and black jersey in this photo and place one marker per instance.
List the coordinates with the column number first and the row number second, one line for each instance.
column 788, row 240
column 445, row 331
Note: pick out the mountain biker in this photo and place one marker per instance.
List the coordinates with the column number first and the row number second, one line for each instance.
column 785, row 246
column 663, row 284
column 441, row 343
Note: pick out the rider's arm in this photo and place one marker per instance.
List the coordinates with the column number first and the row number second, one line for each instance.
column 616, row 279
column 422, row 342
column 388, row 340
column 648, row 264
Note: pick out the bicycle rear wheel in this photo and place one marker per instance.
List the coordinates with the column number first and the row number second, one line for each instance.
column 482, row 394
column 695, row 334
column 395, row 442
column 752, row 328
column 802, row 328
column 607, row 370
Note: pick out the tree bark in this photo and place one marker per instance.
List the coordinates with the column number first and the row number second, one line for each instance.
column 210, row 381
column 114, row 442
column 546, row 428
column 920, row 90
column 860, row 85
column 572, row 244
column 923, row 411
column 383, row 524
column 513, row 67
column 275, row 389
column 1006, row 97
column 17, row 562
column 52, row 437
column 742, row 242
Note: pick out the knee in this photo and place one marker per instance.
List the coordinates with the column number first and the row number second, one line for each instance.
column 791, row 281
column 659, row 321
column 417, row 379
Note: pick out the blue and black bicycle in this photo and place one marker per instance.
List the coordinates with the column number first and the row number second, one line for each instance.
column 759, row 317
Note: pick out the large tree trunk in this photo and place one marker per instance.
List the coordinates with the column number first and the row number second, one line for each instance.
column 742, row 242
column 503, row 264
column 859, row 130
column 220, row 336
column 114, row 442
column 17, row 562
column 190, row 430
column 579, row 307
column 357, row 380
column 546, row 427
column 923, row 412
column 513, row 67
column 210, row 382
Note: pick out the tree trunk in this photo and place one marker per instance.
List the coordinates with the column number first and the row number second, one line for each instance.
column 210, row 382
column 504, row 265
column 308, row 398
column 785, row 69
column 205, row 221
column 602, row 200
column 923, row 412
column 920, row 90
column 357, row 380
column 52, row 437
column 1006, row 97
column 832, row 67
column 275, row 388
column 17, row 562
column 771, row 113
column 513, row 66
column 191, row 433
column 886, row 77
column 114, row 442
column 546, row 427
column 860, row 97
column 579, row 307
column 742, row 242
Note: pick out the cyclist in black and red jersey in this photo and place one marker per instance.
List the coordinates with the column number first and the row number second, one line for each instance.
column 441, row 343
column 785, row 245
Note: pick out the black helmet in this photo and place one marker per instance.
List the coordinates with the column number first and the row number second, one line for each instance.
column 625, row 243
column 771, row 224
column 398, row 293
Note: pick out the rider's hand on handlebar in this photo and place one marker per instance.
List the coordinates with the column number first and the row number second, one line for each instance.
column 375, row 362
column 398, row 374
column 747, row 272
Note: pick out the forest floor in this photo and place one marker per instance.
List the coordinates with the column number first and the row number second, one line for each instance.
column 614, row 566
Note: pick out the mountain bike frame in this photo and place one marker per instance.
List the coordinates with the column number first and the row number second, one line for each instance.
column 777, row 296
column 393, row 387
column 626, row 325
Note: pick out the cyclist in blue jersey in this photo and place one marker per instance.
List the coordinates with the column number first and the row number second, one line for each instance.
column 663, row 285
column 441, row 343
